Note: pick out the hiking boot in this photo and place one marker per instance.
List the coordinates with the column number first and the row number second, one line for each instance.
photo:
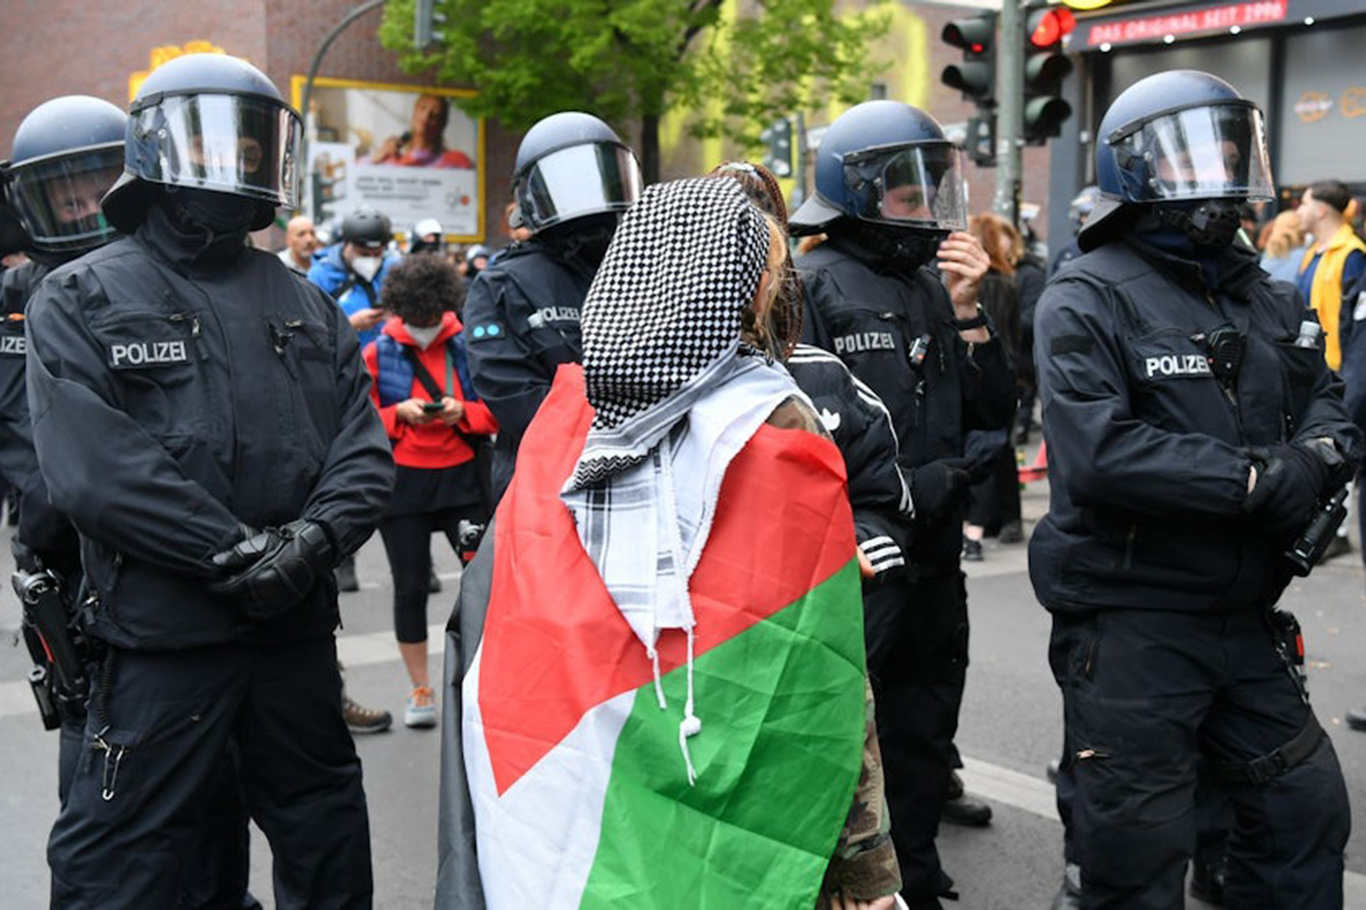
column 421, row 709
column 365, row 720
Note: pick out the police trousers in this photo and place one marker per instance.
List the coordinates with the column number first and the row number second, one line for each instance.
column 1148, row 695
column 917, row 637
column 149, row 778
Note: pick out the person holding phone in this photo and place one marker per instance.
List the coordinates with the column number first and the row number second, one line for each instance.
column 440, row 433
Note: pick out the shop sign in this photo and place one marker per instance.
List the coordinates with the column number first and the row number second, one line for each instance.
column 1190, row 22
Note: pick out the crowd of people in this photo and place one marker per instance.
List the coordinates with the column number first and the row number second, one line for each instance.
column 668, row 681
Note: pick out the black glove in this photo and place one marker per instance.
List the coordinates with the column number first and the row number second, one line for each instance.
column 938, row 486
column 25, row 558
column 273, row 570
column 1290, row 480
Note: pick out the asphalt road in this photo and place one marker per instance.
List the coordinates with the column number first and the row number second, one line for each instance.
column 1010, row 729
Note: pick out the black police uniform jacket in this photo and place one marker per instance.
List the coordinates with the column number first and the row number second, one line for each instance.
column 41, row 527
column 1147, row 475
column 871, row 320
column 522, row 319
column 172, row 401
column 861, row 427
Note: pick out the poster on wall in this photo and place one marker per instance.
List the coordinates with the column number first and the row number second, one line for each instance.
column 405, row 150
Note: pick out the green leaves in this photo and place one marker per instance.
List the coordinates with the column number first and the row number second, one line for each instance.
column 732, row 67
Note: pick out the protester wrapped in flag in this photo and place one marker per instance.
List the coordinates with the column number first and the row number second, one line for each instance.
column 655, row 691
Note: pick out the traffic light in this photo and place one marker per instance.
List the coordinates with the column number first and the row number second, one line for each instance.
column 778, row 152
column 1045, row 67
column 975, row 76
column 426, row 17
column 979, row 140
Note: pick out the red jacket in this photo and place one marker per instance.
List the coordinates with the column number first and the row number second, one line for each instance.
column 428, row 445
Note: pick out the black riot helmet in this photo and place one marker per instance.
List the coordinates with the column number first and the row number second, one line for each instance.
column 208, row 122
column 571, row 165
column 887, row 163
column 67, row 153
column 1185, row 145
column 367, row 227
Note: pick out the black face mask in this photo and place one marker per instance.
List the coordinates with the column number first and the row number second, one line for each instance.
column 893, row 249
column 585, row 239
column 1209, row 223
column 221, row 214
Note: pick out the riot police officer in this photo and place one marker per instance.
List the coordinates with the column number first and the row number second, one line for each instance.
column 890, row 198
column 67, row 152
column 1193, row 430
column 202, row 416
column 573, row 177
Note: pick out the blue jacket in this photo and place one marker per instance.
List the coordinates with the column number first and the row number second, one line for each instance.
column 352, row 292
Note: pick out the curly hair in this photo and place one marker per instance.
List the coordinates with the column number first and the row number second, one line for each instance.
column 419, row 289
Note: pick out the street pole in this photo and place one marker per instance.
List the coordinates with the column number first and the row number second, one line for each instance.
column 1010, row 110
column 304, row 169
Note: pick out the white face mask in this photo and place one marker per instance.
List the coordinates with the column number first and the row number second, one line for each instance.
column 366, row 266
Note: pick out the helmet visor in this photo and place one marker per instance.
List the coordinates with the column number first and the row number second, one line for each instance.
column 914, row 186
column 58, row 198
column 229, row 143
column 579, row 180
column 1201, row 153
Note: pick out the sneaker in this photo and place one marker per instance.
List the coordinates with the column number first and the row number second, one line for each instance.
column 1069, row 895
column 972, row 550
column 421, row 710
column 365, row 720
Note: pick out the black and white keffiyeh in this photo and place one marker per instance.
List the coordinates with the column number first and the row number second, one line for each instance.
column 661, row 321
column 676, row 400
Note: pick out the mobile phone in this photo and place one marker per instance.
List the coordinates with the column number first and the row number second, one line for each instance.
column 432, row 407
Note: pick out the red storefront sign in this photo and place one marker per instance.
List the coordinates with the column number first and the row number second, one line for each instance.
column 1211, row 19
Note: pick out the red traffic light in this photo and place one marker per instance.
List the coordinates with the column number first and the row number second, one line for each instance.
column 973, row 35
column 1048, row 27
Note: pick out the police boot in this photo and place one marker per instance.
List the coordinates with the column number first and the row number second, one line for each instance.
column 1069, row 895
column 961, row 809
column 1207, row 881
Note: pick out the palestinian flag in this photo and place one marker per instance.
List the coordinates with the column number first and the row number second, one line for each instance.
column 578, row 784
